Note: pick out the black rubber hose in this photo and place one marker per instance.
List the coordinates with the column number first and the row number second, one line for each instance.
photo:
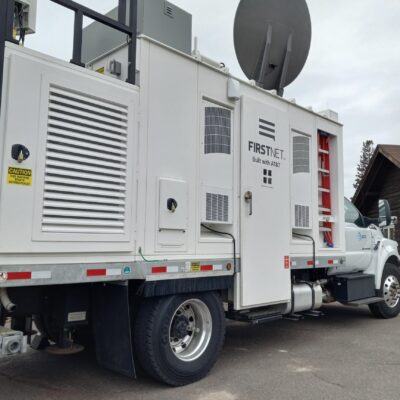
column 225, row 234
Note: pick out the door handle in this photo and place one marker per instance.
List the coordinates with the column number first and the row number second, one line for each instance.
column 248, row 198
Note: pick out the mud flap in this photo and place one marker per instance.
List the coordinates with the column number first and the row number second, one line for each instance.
column 112, row 328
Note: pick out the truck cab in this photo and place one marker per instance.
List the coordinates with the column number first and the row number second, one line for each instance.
column 368, row 250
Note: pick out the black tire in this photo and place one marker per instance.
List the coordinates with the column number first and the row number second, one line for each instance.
column 382, row 309
column 152, row 339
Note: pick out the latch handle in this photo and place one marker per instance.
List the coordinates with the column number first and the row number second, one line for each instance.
column 248, row 198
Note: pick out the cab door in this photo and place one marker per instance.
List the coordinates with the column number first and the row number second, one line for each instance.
column 359, row 243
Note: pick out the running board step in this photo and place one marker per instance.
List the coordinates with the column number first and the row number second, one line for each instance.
column 363, row 302
column 255, row 317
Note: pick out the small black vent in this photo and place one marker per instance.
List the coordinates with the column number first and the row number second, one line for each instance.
column 217, row 130
column 168, row 10
column 301, row 154
column 266, row 128
column 217, row 207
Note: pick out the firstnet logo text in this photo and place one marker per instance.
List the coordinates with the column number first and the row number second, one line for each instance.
column 265, row 150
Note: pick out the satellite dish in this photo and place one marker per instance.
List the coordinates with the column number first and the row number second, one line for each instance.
column 272, row 40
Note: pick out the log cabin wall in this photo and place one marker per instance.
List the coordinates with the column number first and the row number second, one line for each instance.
column 382, row 181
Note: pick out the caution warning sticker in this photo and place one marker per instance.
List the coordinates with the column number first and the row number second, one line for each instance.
column 19, row 176
column 196, row 267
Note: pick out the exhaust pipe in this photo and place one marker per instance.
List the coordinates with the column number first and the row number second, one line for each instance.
column 5, row 301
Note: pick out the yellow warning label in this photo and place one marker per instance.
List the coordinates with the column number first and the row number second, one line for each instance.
column 19, row 176
column 196, row 267
column 101, row 70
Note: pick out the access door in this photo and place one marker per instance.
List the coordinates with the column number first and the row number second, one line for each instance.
column 265, row 204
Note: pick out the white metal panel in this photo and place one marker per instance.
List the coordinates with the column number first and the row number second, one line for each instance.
column 212, row 88
column 81, row 130
column 359, row 248
column 169, row 116
column 176, row 219
column 301, row 180
column 216, row 163
column 265, row 233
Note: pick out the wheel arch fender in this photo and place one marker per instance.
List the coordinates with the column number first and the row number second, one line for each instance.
column 387, row 253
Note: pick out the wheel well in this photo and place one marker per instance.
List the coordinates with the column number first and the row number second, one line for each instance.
column 393, row 260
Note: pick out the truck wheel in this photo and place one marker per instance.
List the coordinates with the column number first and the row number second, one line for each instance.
column 178, row 338
column 390, row 291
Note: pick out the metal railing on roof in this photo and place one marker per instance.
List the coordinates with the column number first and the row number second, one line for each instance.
column 7, row 24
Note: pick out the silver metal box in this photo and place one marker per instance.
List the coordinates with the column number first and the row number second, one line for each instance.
column 11, row 342
column 158, row 19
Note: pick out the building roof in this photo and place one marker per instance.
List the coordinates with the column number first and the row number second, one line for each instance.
column 390, row 152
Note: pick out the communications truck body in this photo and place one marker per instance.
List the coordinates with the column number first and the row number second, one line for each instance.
column 148, row 194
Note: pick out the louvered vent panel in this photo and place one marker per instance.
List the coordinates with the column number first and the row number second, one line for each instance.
column 302, row 216
column 217, row 130
column 301, row 154
column 168, row 10
column 86, row 165
column 217, row 207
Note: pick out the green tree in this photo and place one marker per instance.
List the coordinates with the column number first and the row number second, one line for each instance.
column 367, row 152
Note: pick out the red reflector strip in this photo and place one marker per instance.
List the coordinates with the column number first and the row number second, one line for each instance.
column 207, row 267
column 330, row 262
column 159, row 270
column 15, row 276
column 311, row 263
column 96, row 272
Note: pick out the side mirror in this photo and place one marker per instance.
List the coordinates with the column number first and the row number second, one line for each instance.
column 385, row 215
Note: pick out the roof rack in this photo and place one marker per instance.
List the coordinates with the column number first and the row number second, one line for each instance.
column 7, row 22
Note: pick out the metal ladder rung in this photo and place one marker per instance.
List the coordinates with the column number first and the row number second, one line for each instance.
column 327, row 219
column 322, row 151
column 324, row 171
column 324, row 229
column 322, row 209
column 323, row 190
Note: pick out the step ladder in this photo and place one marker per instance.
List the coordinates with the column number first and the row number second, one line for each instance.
column 324, row 170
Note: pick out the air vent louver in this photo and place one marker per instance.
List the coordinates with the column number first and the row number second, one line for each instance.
column 217, row 130
column 86, row 165
column 301, row 154
column 302, row 216
column 168, row 10
column 217, row 207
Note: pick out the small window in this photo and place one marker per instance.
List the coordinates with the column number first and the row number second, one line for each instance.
column 352, row 215
column 218, row 127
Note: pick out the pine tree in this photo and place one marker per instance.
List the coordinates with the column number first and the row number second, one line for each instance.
column 366, row 155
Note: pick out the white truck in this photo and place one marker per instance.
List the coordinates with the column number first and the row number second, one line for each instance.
column 146, row 195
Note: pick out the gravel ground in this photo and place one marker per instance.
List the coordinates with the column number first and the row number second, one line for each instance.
column 346, row 355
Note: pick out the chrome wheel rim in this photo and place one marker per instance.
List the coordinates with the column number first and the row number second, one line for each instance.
column 391, row 291
column 190, row 330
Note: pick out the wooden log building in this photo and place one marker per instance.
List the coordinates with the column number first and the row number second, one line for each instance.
column 381, row 181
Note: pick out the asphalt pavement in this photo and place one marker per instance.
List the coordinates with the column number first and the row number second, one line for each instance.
column 347, row 354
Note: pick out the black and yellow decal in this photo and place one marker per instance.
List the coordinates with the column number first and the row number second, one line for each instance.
column 19, row 176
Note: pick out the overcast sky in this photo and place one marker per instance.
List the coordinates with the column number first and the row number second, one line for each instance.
column 353, row 68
